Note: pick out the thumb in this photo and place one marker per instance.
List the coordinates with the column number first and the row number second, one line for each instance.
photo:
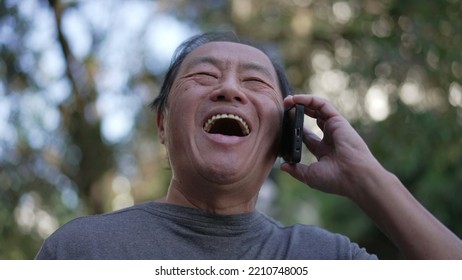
column 308, row 174
column 298, row 171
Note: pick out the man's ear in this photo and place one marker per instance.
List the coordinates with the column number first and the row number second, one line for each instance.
column 160, row 125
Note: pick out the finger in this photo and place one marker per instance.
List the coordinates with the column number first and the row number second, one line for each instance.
column 311, row 140
column 316, row 107
column 321, row 123
column 305, row 174
column 295, row 170
column 289, row 102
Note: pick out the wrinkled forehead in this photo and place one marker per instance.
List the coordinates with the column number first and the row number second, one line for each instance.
column 230, row 53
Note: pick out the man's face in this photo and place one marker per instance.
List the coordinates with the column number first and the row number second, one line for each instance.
column 223, row 117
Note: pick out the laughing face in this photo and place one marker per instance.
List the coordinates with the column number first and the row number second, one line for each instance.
column 222, row 122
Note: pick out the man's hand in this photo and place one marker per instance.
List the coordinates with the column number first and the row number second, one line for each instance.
column 346, row 167
column 342, row 155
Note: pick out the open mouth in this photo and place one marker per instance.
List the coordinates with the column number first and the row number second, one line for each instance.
column 227, row 124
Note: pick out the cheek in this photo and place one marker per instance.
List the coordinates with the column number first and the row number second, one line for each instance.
column 182, row 106
column 176, row 93
column 272, row 110
column 270, row 115
column 185, row 95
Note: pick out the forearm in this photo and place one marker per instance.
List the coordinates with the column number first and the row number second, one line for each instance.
column 417, row 233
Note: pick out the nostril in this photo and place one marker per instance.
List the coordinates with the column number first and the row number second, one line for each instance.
column 228, row 96
column 221, row 98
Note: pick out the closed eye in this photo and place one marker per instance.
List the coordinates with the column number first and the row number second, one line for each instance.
column 255, row 81
column 205, row 78
column 205, row 74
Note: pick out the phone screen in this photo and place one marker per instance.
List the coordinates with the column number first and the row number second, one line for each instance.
column 292, row 137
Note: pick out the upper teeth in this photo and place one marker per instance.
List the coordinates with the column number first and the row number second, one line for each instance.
column 209, row 123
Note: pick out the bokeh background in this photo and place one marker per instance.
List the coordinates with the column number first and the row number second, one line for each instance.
column 76, row 77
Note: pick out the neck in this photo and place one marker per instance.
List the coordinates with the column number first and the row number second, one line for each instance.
column 223, row 200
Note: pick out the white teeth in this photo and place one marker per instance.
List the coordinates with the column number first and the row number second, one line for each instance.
column 208, row 124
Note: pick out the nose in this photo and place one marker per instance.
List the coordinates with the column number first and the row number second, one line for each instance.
column 229, row 91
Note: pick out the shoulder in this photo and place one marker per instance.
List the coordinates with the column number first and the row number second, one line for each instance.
column 79, row 234
column 319, row 242
column 104, row 221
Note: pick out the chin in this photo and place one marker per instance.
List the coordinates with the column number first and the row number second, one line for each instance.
column 224, row 174
column 237, row 173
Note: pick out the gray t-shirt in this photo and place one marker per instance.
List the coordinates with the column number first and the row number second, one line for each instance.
column 164, row 231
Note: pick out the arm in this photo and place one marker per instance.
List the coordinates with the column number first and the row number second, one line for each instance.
column 346, row 167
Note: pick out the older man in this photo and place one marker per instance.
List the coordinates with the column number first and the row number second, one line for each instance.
column 219, row 115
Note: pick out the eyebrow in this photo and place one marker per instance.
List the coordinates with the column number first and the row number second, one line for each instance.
column 259, row 68
column 219, row 64
column 203, row 60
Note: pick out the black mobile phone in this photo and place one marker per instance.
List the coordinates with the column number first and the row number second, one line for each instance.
column 292, row 134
